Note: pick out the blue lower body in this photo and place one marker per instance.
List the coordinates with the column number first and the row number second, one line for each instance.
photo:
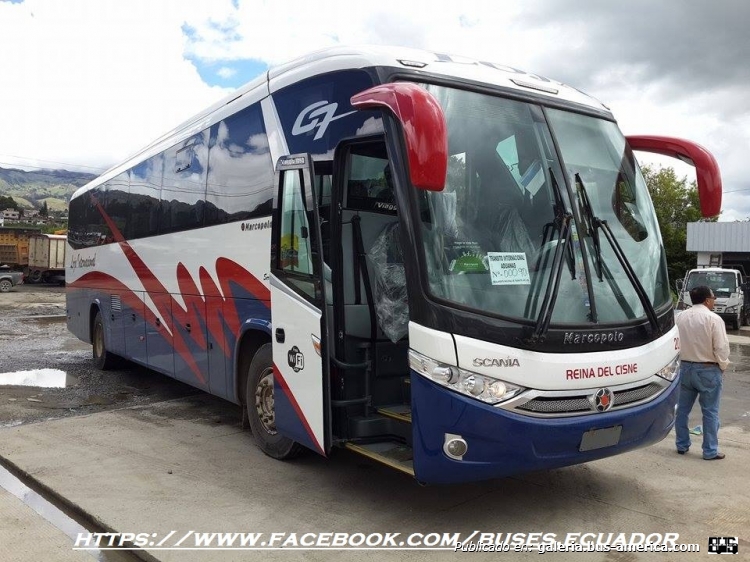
column 502, row 443
column 703, row 382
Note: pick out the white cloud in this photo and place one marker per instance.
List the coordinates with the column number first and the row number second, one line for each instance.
column 91, row 81
column 226, row 72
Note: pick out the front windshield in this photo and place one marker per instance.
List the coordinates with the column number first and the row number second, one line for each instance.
column 490, row 236
column 722, row 284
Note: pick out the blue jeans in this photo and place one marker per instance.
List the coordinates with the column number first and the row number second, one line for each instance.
column 701, row 381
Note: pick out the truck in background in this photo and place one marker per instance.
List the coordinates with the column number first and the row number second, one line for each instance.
column 14, row 246
column 729, row 287
column 47, row 258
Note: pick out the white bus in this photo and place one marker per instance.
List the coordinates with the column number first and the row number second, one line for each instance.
column 448, row 265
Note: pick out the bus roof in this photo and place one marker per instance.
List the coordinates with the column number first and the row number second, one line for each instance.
column 428, row 62
column 343, row 57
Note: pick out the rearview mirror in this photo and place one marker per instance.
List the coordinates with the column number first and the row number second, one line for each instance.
column 423, row 123
column 706, row 168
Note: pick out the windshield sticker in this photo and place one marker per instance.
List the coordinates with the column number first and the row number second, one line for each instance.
column 465, row 257
column 508, row 268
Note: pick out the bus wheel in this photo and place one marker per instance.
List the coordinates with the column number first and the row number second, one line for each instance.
column 103, row 359
column 259, row 401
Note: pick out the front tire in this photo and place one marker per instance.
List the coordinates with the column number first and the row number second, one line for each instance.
column 259, row 401
column 103, row 359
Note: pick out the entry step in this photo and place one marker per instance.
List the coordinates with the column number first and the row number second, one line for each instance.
column 400, row 412
column 395, row 455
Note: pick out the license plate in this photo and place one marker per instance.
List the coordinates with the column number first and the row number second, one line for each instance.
column 599, row 438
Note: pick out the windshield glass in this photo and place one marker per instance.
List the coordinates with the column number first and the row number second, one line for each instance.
column 490, row 236
column 722, row 284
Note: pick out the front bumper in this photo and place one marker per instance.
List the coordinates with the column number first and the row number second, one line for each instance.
column 502, row 443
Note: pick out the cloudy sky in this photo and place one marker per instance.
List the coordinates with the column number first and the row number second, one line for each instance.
column 85, row 83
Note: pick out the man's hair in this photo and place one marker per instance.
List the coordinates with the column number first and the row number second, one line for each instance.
column 699, row 294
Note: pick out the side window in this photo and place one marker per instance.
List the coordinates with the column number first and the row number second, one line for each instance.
column 87, row 224
column 145, row 183
column 240, row 170
column 183, row 189
column 117, row 202
column 369, row 186
column 295, row 256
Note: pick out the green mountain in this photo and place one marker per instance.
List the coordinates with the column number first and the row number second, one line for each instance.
column 31, row 189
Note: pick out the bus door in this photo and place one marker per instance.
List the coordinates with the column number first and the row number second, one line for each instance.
column 298, row 311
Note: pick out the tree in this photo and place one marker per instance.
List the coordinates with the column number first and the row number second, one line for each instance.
column 676, row 203
column 7, row 202
column 44, row 211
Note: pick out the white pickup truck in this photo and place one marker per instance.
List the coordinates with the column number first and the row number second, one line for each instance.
column 729, row 289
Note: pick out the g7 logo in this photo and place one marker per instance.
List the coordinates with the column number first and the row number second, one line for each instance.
column 319, row 114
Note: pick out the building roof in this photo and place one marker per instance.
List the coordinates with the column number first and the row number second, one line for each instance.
column 718, row 237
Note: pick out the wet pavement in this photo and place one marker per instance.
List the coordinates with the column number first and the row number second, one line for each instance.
column 34, row 340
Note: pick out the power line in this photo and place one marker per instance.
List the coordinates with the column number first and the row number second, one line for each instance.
column 98, row 170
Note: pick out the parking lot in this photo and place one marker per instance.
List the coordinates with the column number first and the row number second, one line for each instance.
column 131, row 451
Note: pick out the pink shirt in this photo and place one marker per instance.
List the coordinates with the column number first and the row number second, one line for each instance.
column 703, row 336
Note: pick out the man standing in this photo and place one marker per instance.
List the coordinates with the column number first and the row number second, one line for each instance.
column 704, row 354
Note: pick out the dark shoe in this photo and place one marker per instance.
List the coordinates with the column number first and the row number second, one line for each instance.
column 683, row 452
column 718, row 457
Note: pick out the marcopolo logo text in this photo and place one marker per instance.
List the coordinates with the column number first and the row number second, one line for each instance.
column 579, row 338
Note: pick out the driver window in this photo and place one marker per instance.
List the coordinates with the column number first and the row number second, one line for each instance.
column 295, row 255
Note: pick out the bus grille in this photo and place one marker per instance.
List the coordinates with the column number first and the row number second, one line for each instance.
column 582, row 405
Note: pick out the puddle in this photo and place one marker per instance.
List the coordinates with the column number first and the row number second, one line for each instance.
column 45, row 378
column 56, row 516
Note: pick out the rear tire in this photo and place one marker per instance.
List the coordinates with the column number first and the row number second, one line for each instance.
column 103, row 359
column 259, row 401
column 5, row 285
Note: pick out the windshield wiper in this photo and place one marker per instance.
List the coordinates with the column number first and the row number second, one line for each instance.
column 593, row 224
column 563, row 250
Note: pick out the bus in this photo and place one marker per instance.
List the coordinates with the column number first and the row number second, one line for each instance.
column 447, row 265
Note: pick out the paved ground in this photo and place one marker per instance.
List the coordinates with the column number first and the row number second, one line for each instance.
column 172, row 466
column 183, row 464
column 26, row 536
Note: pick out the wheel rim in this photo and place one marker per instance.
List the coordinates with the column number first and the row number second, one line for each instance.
column 5, row 285
column 264, row 401
column 98, row 340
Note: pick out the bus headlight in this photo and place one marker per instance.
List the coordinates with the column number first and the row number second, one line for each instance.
column 484, row 388
column 670, row 371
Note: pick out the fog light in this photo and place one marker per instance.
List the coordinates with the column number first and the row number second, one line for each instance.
column 455, row 446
